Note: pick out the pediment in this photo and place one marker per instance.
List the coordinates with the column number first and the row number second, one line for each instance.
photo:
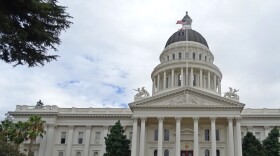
column 187, row 97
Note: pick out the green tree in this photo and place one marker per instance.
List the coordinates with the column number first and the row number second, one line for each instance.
column 18, row 132
column 116, row 142
column 271, row 143
column 7, row 148
column 251, row 146
column 35, row 129
column 29, row 28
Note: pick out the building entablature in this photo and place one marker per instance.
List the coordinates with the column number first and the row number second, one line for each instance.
column 187, row 49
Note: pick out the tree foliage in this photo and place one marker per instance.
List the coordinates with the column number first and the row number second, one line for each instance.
column 13, row 134
column 7, row 148
column 251, row 146
column 271, row 143
column 29, row 28
column 35, row 129
column 116, row 142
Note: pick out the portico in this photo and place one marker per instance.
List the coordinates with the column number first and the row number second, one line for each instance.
column 186, row 125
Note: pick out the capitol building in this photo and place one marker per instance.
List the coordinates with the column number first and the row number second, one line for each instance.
column 186, row 113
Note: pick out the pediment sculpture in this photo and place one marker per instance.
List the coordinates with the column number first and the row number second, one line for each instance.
column 142, row 93
column 232, row 94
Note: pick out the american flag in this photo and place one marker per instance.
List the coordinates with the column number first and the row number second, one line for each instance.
column 181, row 22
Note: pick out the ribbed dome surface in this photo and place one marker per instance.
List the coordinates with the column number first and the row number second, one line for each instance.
column 192, row 35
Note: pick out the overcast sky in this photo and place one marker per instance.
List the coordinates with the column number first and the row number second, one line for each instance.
column 114, row 45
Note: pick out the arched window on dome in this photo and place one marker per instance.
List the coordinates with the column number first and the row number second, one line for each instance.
column 217, row 152
column 167, row 57
column 205, row 58
column 194, row 80
column 193, row 55
column 180, row 55
column 173, row 56
column 155, row 152
column 200, row 56
column 207, row 153
column 167, row 82
column 179, row 79
column 166, row 152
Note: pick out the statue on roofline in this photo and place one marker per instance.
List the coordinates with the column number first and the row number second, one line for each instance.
column 141, row 93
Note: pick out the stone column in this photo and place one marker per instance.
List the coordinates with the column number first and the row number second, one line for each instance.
column 134, row 137
column 43, row 145
column 238, row 137
column 219, row 87
column 182, row 77
column 200, row 79
column 213, row 135
column 178, row 136
column 164, row 79
column 172, row 78
column 50, row 139
column 191, row 79
column 215, row 83
column 142, row 137
column 105, row 132
column 69, row 140
column 158, row 80
column 154, row 85
column 230, row 134
column 160, row 134
column 87, row 140
column 195, row 137
column 209, row 80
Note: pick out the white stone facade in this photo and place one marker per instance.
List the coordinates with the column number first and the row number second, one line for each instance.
column 185, row 116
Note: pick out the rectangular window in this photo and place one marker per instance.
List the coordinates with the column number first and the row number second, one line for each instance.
column 167, row 58
column 95, row 153
column 173, row 56
column 207, row 134
column 63, row 138
column 193, row 55
column 97, row 137
column 166, row 135
column 80, row 137
column 180, row 55
column 217, row 135
column 156, row 135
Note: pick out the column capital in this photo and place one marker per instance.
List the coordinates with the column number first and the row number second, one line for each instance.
column 178, row 118
column 195, row 118
column 213, row 118
column 71, row 126
column 143, row 119
column 266, row 127
column 135, row 119
column 238, row 119
column 105, row 127
column 229, row 119
column 88, row 127
column 160, row 118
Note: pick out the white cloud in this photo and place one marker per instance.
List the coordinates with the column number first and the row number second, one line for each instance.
column 119, row 43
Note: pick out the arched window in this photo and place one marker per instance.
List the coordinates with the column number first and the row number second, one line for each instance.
column 78, row 154
column 205, row 58
column 218, row 152
column 156, row 135
column 207, row 153
column 194, row 80
column 193, row 55
column 155, row 152
column 60, row 153
column 200, row 56
column 167, row 58
column 179, row 80
column 180, row 55
column 173, row 56
column 167, row 81
column 166, row 152
column 166, row 135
